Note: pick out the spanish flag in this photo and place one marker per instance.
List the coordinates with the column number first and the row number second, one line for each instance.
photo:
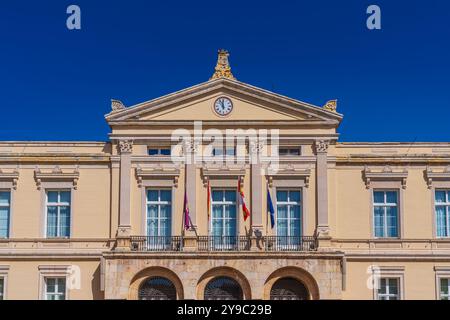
column 242, row 200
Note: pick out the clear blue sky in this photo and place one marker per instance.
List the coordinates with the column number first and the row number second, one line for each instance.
column 392, row 84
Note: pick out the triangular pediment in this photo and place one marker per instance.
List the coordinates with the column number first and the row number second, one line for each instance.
column 249, row 104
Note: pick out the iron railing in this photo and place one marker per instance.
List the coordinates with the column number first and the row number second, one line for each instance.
column 156, row 243
column 290, row 243
column 223, row 243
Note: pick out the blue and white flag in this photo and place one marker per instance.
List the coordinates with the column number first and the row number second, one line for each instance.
column 270, row 210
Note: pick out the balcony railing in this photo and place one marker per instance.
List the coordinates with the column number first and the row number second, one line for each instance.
column 156, row 243
column 223, row 243
column 290, row 243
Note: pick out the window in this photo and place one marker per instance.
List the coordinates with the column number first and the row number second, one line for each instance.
column 385, row 214
column 288, row 213
column 444, row 288
column 159, row 213
column 58, row 214
column 2, row 288
column 159, row 152
column 223, row 218
column 388, row 289
column 442, row 208
column 5, row 205
column 289, row 151
column 229, row 151
column 55, row 288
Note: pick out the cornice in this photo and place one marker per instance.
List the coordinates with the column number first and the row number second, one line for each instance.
column 223, row 83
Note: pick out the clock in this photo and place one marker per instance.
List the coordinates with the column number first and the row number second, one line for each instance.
column 223, row 106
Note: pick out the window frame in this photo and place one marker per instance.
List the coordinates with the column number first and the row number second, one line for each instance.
column 289, row 151
column 9, row 206
column 289, row 204
column 224, row 203
column 447, row 211
column 385, row 205
column 387, row 294
column 56, row 293
column 4, row 270
column 58, row 205
column 441, row 272
column 159, row 151
column 158, row 203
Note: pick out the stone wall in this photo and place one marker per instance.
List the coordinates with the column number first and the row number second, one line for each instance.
column 321, row 273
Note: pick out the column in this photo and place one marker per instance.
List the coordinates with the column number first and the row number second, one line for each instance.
column 125, row 148
column 322, row 228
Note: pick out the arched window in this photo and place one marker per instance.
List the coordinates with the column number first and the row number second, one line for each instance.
column 157, row 288
column 288, row 289
column 223, row 288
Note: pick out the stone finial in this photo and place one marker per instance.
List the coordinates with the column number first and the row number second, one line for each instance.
column 223, row 69
column 117, row 105
column 331, row 105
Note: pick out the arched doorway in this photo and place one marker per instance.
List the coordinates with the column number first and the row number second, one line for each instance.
column 223, row 288
column 289, row 289
column 157, row 288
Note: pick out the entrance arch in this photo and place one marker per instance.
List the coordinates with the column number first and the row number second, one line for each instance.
column 157, row 288
column 289, row 289
column 156, row 283
column 223, row 283
column 291, row 282
column 223, row 288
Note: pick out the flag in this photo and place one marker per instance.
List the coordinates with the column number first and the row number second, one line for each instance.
column 187, row 218
column 242, row 200
column 209, row 200
column 270, row 210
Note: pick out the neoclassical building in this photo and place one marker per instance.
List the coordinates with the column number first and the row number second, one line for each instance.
column 157, row 212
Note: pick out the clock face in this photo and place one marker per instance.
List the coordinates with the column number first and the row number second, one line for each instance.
column 223, row 106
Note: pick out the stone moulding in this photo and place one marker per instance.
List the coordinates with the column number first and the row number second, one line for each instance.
column 431, row 175
column 10, row 176
column 289, row 171
column 58, row 175
column 226, row 171
column 387, row 174
column 172, row 172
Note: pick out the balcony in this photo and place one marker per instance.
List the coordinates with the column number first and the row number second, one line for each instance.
column 156, row 243
column 227, row 243
column 224, row 244
column 286, row 243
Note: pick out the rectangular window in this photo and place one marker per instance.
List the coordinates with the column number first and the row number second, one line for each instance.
column 444, row 288
column 159, row 151
column 289, row 151
column 288, row 219
column 159, row 217
column 385, row 208
column 58, row 213
column 442, row 209
column 55, row 288
column 223, row 218
column 389, row 289
column 229, row 151
column 5, row 206
column 2, row 288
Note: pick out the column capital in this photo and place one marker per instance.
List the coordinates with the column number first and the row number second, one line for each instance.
column 125, row 146
column 321, row 146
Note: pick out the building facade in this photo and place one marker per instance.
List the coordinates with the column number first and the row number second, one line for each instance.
column 157, row 211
